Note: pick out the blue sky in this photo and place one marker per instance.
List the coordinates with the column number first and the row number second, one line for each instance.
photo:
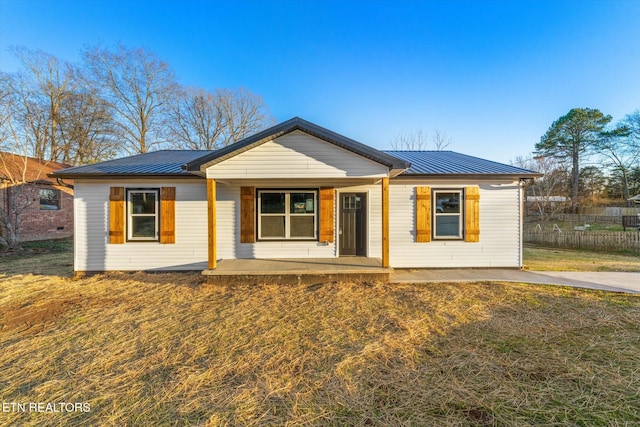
column 492, row 75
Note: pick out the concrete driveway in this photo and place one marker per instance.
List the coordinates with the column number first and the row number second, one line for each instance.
column 607, row 281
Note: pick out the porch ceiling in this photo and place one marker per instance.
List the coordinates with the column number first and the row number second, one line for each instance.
column 299, row 182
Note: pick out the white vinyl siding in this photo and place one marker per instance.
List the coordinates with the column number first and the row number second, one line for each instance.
column 93, row 253
column 296, row 155
column 499, row 244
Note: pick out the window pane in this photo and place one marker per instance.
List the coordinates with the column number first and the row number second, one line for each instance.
column 302, row 226
column 143, row 203
column 448, row 226
column 349, row 202
column 447, row 202
column 301, row 203
column 272, row 226
column 272, row 203
column 49, row 199
column 143, row 226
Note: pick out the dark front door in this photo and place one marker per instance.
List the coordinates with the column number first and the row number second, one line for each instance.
column 353, row 224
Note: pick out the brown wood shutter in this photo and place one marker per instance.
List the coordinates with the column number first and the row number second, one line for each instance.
column 168, row 215
column 247, row 215
column 472, row 214
column 116, row 215
column 423, row 214
column 327, row 209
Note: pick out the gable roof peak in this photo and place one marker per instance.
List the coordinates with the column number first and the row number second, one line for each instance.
column 288, row 126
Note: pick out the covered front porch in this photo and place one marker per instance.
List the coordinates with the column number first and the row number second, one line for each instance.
column 297, row 192
column 299, row 270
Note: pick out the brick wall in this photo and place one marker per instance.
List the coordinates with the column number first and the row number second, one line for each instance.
column 39, row 224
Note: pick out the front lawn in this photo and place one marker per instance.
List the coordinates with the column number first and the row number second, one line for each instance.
column 554, row 259
column 50, row 257
column 168, row 349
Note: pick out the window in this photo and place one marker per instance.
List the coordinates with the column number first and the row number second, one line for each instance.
column 49, row 199
column 287, row 214
column 142, row 214
column 447, row 214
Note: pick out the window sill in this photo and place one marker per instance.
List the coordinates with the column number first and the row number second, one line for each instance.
column 287, row 240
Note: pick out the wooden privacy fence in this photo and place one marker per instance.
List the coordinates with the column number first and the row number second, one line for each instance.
column 596, row 240
column 609, row 211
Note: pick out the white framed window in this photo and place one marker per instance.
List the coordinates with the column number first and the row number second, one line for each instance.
column 447, row 214
column 142, row 214
column 287, row 214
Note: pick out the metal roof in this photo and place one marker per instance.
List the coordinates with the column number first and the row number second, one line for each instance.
column 291, row 125
column 452, row 163
column 162, row 162
column 186, row 163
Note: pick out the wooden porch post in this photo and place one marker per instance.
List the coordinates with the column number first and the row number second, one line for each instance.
column 211, row 216
column 385, row 222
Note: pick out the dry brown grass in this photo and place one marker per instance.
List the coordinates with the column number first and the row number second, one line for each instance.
column 170, row 350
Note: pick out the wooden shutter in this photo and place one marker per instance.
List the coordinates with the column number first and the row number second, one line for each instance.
column 247, row 214
column 327, row 210
column 472, row 214
column 168, row 215
column 423, row 214
column 116, row 215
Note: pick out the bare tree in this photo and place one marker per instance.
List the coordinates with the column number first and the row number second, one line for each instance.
column 16, row 193
column 25, row 119
column 195, row 120
column 440, row 140
column 46, row 85
column 411, row 141
column 203, row 120
column 87, row 129
column 54, row 111
column 243, row 113
column 620, row 149
column 138, row 86
column 546, row 194
column 418, row 140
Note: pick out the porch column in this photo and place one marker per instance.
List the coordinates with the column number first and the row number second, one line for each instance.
column 211, row 216
column 385, row 222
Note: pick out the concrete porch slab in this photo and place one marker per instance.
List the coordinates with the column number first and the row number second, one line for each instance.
column 300, row 270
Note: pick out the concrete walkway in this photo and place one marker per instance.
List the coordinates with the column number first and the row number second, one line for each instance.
column 607, row 281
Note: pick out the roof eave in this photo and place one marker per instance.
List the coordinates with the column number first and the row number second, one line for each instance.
column 124, row 175
column 470, row 175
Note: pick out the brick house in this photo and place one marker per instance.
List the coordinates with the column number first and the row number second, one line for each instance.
column 44, row 205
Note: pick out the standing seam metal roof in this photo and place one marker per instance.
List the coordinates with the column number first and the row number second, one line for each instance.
column 452, row 163
column 162, row 162
column 172, row 162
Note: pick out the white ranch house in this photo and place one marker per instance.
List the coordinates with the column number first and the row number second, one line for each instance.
column 296, row 191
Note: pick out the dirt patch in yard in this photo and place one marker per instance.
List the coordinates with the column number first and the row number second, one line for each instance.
column 30, row 315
